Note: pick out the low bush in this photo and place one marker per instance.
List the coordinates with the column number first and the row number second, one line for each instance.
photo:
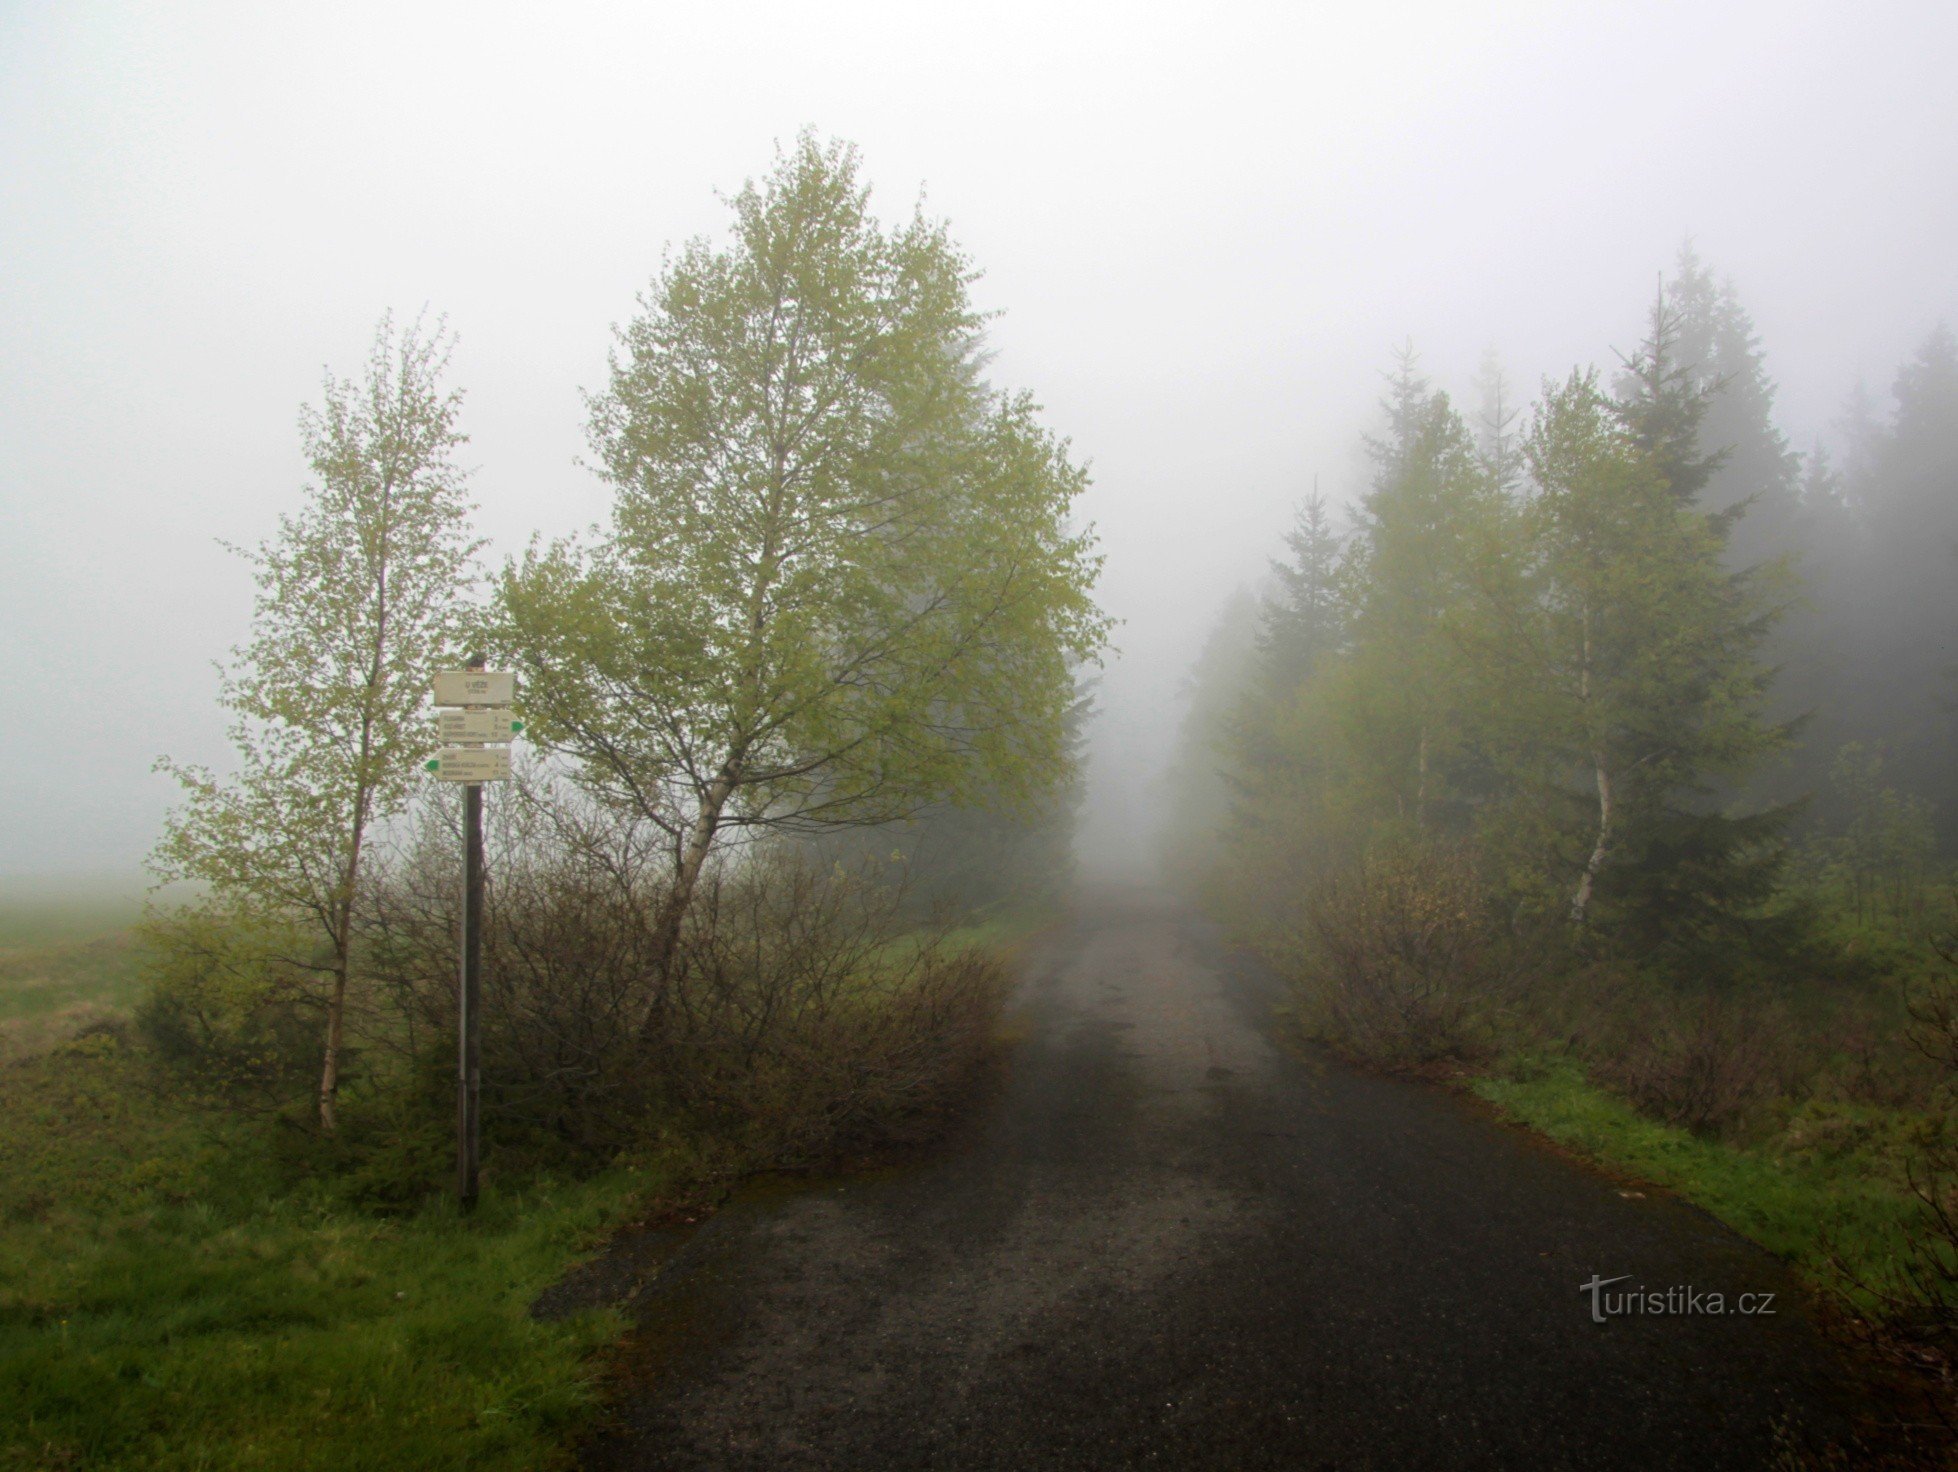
column 1703, row 1063
column 1403, row 963
column 233, row 999
column 805, row 1013
column 1917, row 1317
column 809, row 1017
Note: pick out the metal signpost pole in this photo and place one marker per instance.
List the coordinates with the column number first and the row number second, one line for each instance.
column 469, row 1079
column 481, row 729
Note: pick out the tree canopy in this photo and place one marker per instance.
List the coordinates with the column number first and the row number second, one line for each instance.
column 841, row 581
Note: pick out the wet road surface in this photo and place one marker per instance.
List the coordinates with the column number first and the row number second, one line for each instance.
column 1173, row 1241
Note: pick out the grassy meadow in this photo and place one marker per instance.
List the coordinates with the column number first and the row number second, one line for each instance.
column 66, row 960
column 177, row 1295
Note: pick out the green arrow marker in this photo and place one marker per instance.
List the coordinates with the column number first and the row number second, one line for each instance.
column 434, row 764
column 516, row 728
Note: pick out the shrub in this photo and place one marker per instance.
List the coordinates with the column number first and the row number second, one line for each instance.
column 1921, row 1299
column 1402, row 962
column 1909, row 1313
column 568, row 980
column 804, row 1011
column 231, row 1003
column 1699, row 1062
column 810, row 1016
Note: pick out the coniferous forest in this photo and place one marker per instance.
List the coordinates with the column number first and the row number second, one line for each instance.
column 1601, row 754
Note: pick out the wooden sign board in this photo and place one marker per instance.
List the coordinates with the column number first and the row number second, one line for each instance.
column 472, row 764
column 475, row 687
column 462, row 727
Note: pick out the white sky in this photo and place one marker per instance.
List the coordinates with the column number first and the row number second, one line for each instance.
column 1206, row 227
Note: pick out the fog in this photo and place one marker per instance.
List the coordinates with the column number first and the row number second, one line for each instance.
column 1205, row 231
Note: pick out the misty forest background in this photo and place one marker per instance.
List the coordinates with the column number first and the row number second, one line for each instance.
column 1774, row 664
column 1602, row 753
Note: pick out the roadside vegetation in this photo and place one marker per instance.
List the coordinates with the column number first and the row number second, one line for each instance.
column 1603, row 762
column 802, row 740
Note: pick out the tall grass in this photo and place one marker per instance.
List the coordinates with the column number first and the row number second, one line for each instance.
column 1823, row 1194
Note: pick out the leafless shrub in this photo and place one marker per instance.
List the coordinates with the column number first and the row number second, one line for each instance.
column 1699, row 1062
column 1403, row 964
column 567, row 981
column 803, row 1010
column 809, row 1014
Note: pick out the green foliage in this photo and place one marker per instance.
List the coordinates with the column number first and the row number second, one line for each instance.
column 1883, row 858
column 233, row 998
column 360, row 596
column 1303, row 623
column 1531, row 641
column 839, row 582
column 1407, row 569
column 168, row 1305
column 188, row 1287
column 1631, row 670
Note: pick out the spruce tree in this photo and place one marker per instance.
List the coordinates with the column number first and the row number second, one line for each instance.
column 1406, row 573
column 1910, row 616
column 1720, row 354
column 1637, row 690
column 1301, row 623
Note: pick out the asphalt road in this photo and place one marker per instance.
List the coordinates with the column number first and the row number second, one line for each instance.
column 1173, row 1241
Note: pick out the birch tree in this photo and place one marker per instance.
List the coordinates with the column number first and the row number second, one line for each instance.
column 1629, row 656
column 840, row 580
column 360, row 595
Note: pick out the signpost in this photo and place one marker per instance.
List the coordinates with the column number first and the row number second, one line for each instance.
column 485, row 696
column 475, row 687
column 472, row 763
column 457, row 726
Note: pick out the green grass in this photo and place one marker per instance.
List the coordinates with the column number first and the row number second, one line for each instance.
column 1826, row 1188
column 1000, row 933
column 169, row 1301
column 39, row 980
column 65, row 961
column 1005, row 929
column 40, row 911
